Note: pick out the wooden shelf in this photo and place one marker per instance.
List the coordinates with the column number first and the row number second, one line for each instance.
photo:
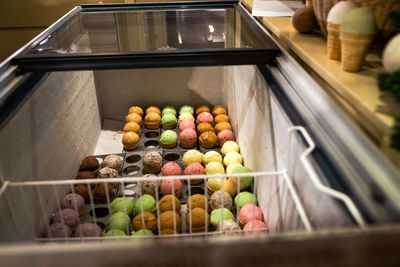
column 357, row 93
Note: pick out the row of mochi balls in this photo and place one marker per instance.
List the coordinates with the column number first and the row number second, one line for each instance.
column 197, row 163
column 166, row 216
column 212, row 128
column 221, row 189
column 144, row 210
column 65, row 221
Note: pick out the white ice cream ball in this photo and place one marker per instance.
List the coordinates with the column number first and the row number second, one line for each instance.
column 391, row 54
column 337, row 12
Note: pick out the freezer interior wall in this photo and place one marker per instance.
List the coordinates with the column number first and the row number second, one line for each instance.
column 67, row 115
column 46, row 139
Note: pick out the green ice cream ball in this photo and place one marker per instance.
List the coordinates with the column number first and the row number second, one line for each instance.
column 245, row 181
column 123, row 204
column 168, row 137
column 169, row 110
column 168, row 119
column 148, row 202
column 220, row 215
column 118, row 221
column 358, row 20
column 244, row 198
column 186, row 108
column 143, row 232
column 115, row 232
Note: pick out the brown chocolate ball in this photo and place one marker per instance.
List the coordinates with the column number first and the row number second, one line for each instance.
column 89, row 164
column 303, row 20
column 82, row 190
column 198, row 201
column 145, row 220
column 85, row 175
column 100, row 193
column 168, row 202
column 152, row 162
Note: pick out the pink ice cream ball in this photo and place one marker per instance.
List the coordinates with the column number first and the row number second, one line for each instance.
column 255, row 227
column 225, row 135
column 166, row 187
column 187, row 124
column 205, row 117
column 188, row 137
column 250, row 212
column 171, row 169
column 194, row 169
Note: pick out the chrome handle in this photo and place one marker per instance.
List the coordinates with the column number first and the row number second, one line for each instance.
column 355, row 213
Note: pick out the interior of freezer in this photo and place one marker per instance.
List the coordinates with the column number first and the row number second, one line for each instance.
column 71, row 115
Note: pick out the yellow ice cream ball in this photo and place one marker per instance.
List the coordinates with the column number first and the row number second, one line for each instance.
column 215, row 184
column 229, row 146
column 212, row 156
column 215, row 168
column 233, row 157
column 231, row 167
column 192, row 156
column 185, row 116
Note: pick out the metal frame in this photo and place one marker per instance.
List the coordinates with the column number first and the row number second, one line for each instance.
column 153, row 59
column 154, row 6
column 317, row 182
column 14, row 85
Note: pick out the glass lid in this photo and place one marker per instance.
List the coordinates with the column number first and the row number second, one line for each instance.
column 150, row 35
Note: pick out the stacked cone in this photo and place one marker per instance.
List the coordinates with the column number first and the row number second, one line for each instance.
column 333, row 43
column 354, row 48
column 334, row 19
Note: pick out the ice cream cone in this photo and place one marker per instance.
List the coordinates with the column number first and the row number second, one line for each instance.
column 333, row 43
column 354, row 48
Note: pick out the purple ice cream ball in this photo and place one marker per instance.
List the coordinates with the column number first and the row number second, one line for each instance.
column 73, row 201
column 59, row 230
column 88, row 230
column 69, row 217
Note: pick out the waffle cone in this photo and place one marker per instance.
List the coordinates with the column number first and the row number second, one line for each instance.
column 333, row 43
column 354, row 48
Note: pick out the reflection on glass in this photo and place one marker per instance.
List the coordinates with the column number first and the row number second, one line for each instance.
column 137, row 31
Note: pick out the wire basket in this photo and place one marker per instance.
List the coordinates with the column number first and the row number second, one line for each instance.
column 382, row 9
column 321, row 10
column 27, row 209
column 37, row 196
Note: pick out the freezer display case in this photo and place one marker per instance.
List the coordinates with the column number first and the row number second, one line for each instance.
column 64, row 96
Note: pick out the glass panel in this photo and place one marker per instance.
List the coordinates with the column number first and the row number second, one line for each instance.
column 161, row 30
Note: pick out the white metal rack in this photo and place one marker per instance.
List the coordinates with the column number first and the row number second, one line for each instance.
column 45, row 190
